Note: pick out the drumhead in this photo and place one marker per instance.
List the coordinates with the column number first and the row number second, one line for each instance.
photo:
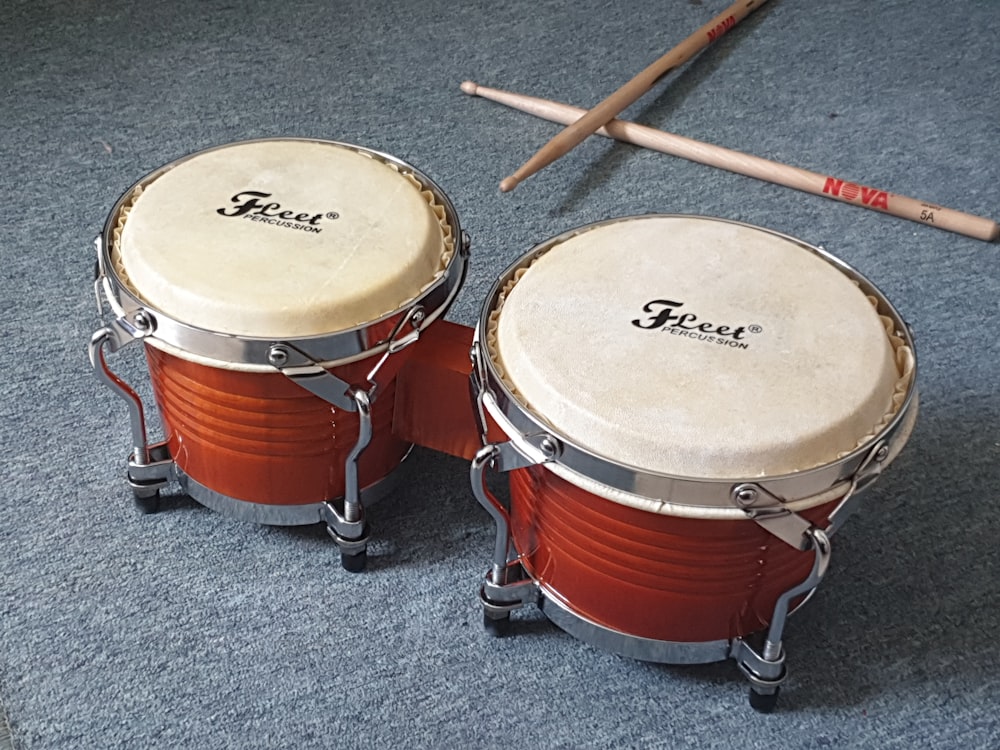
column 280, row 238
column 695, row 347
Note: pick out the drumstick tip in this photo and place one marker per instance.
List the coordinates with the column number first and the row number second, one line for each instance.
column 469, row 87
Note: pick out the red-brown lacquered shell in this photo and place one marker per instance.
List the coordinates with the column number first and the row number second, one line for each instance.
column 261, row 438
column 434, row 404
column 646, row 574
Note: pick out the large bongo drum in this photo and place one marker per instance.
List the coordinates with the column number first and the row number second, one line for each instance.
column 688, row 409
column 277, row 286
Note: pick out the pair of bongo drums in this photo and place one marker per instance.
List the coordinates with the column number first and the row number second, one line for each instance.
column 686, row 408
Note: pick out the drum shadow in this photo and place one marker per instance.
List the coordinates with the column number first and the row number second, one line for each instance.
column 911, row 601
column 430, row 518
column 680, row 85
column 909, row 609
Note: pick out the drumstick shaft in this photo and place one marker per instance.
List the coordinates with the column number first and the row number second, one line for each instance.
column 578, row 130
column 754, row 166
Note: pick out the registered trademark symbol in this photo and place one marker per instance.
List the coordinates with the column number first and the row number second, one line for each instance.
column 332, row 215
column 755, row 329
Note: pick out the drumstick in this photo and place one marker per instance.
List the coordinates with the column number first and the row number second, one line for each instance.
column 754, row 166
column 577, row 131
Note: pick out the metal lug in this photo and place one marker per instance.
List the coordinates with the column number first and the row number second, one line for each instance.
column 768, row 511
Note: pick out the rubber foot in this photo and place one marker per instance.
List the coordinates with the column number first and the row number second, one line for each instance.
column 496, row 627
column 354, row 563
column 764, row 702
column 147, row 505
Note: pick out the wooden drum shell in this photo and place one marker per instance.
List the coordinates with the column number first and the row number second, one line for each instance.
column 261, row 438
column 650, row 575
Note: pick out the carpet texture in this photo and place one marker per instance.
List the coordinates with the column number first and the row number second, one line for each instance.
column 190, row 629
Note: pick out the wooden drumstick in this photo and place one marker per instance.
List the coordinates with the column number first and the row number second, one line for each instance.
column 754, row 166
column 600, row 115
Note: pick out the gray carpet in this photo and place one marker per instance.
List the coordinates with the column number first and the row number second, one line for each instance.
column 189, row 629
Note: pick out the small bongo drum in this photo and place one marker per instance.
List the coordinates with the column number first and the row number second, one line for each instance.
column 688, row 408
column 277, row 285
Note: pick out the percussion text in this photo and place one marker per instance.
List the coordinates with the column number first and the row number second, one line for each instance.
column 251, row 205
column 666, row 317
